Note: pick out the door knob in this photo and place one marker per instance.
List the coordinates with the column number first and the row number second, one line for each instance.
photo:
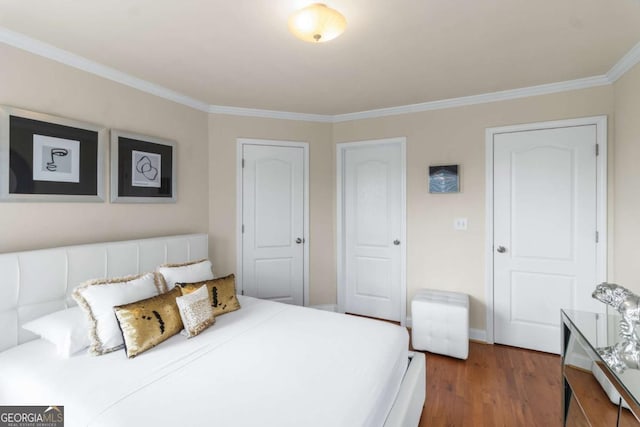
column 299, row 240
column 501, row 249
column 396, row 242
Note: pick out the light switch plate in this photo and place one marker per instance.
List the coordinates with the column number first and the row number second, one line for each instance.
column 460, row 223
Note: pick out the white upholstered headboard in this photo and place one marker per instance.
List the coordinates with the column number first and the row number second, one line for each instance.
column 35, row 283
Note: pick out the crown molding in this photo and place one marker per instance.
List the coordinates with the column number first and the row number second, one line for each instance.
column 46, row 50
column 269, row 114
column 625, row 64
column 484, row 98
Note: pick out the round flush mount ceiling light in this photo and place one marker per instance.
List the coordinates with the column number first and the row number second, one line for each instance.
column 317, row 23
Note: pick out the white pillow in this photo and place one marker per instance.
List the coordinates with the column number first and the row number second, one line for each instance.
column 195, row 311
column 67, row 329
column 191, row 272
column 98, row 297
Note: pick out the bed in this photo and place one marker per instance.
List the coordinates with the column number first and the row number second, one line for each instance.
column 267, row 364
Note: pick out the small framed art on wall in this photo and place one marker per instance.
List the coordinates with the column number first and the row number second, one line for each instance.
column 444, row 179
column 49, row 158
column 142, row 169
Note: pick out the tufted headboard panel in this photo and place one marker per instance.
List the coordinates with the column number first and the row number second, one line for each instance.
column 35, row 283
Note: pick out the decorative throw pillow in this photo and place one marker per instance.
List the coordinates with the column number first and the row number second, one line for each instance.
column 195, row 271
column 67, row 329
column 222, row 292
column 196, row 311
column 98, row 297
column 148, row 322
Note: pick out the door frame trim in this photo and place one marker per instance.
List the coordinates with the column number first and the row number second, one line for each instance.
column 240, row 143
column 341, row 286
column 601, row 200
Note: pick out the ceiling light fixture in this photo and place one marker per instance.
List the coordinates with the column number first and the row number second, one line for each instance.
column 317, row 23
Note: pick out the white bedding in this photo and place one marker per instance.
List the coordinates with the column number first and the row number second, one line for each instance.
column 267, row 364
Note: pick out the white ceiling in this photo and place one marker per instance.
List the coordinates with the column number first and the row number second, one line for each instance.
column 239, row 53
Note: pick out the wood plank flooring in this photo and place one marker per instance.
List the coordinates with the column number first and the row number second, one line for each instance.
column 496, row 386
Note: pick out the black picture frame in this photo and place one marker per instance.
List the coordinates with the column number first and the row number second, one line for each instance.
column 49, row 158
column 143, row 168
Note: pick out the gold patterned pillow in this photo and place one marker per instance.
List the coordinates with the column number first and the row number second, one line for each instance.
column 222, row 292
column 146, row 323
column 196, row 311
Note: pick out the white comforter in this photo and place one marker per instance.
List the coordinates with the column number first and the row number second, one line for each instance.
column 267, row 364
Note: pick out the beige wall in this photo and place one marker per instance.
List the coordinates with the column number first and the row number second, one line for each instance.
column 34, row 83
column 626, row 234
column 223, row 133
column 438, row 256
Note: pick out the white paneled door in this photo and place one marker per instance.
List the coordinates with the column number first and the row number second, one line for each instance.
column 273, row 235
column 545, row 224
column 373, row 209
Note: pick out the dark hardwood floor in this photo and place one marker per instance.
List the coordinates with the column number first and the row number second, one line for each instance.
column 496, row 386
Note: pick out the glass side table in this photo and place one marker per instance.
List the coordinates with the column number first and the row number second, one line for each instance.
column 594, row 393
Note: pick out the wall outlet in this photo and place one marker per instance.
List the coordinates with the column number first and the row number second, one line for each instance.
column 460, row 223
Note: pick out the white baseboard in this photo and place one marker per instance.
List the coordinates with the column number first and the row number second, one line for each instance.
column 579, row 360
column 325, row 307
column 478, row 334
column 474, row 334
